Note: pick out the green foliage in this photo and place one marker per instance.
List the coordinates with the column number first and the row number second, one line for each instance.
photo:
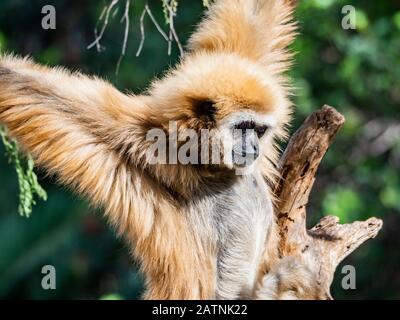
column 344, row 203
column 170, row 7
column 206, row 3
column 27, row 179
column 3, row 42
column 112, row 296
column 390, row 193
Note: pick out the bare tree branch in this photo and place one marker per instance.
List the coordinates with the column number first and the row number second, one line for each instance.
column 171, row 24
column 106, row 16
column 328, row 243
column 147, row 11
column 142, row 32
column 112, row 10
column 125, row 18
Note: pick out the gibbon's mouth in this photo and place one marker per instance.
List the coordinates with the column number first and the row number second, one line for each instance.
column 243, row 160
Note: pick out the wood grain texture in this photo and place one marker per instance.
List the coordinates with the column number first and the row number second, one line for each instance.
column 329, row 242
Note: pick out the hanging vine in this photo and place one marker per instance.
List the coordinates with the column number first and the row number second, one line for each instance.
column 29, row 187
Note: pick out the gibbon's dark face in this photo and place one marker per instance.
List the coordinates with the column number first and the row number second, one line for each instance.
column 238, row 135
column 243, row 107
column 244, row 135
column 244, row 129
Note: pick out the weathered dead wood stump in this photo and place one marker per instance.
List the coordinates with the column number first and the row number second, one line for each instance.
column 329, row 242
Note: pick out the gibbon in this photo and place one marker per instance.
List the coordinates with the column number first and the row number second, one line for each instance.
column 198, row 231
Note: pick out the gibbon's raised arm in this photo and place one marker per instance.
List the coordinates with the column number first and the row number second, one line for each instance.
column 259, row 30
column 93, row 138
column 83, row 130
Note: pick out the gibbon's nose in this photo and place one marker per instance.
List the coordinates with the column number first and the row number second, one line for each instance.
column 250, row 150
column 246, row 150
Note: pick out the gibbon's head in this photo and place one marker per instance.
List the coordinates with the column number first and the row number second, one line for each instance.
column 232, row 79
column 241, row 107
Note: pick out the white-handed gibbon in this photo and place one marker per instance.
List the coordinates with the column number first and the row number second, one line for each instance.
column 198, row 231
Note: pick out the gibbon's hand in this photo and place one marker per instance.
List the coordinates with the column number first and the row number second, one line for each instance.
column 292, row 278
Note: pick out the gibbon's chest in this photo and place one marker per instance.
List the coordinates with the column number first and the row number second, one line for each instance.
column 241, row 218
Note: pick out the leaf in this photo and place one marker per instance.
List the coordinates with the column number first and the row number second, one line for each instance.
column 29, row 186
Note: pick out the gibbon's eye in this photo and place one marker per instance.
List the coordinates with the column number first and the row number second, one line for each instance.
column 245, row 125
column 206, row 108
column 261, row 130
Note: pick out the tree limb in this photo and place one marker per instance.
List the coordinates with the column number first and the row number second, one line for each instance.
column 329, row 242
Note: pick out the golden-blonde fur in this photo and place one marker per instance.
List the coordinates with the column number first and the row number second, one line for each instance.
column 93, row 138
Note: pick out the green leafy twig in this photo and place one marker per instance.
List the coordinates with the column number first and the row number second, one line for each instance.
column 206, row 3
column 169, row 6
column 29, row 186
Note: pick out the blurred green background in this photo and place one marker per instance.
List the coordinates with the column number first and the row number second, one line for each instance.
column 356, row 71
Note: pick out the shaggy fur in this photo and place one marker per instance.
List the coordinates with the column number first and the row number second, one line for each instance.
column 199, row 232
